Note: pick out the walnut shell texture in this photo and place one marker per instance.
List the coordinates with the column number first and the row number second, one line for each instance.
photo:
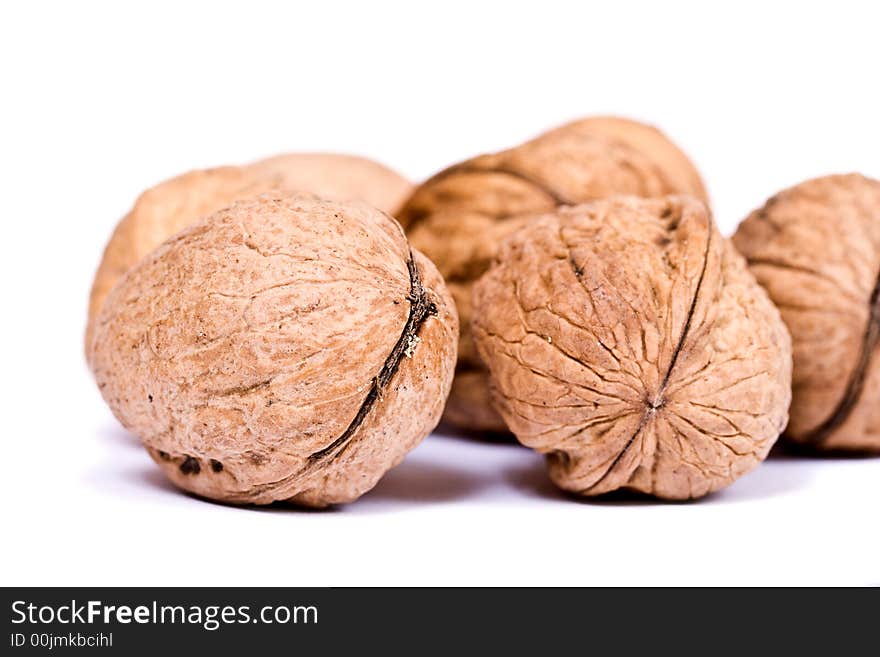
column 459, row 217
column 816, row 249
column 285, row 348
column 337, row 177
column 627, row 341
column 174, row 204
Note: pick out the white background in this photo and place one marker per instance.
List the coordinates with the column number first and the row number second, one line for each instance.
column 99, row 101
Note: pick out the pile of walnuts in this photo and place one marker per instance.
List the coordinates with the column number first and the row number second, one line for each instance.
column 271, row 333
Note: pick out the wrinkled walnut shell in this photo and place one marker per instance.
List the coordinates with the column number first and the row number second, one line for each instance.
column 627, row 341
column 816, row 249
column 459, row 217
column 285, row 348
column 174, row 204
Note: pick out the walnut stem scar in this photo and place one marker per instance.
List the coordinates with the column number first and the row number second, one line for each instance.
column 856, row 382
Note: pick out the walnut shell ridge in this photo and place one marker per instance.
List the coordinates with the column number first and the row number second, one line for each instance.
column 285, row 348
column 459, row 217
column 174, row 204
column 816, row 249
column 627, row 341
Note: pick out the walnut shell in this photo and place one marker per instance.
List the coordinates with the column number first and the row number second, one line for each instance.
column 338, row 178
column 627, row 341
column 174, row 204
column 285, row 348
column 816, row 249
column 459, row 217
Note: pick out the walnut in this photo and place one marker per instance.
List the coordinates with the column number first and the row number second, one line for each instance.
column 816, row 249
column 627, row 341
column 285, row 348
column 174, row 204
column 458, row 217
column 338, row 178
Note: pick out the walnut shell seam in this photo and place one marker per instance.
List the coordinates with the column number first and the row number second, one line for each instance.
column 853, row 391
column 459, row 216
column 652, row 405
column 421, row 307
column 668, row 375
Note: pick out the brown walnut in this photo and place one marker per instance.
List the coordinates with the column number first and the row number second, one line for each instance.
column 285, row 348
column 816, row 249
column 459, row 216
column 627, row 341
column 337, row 177
column 174, row 204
